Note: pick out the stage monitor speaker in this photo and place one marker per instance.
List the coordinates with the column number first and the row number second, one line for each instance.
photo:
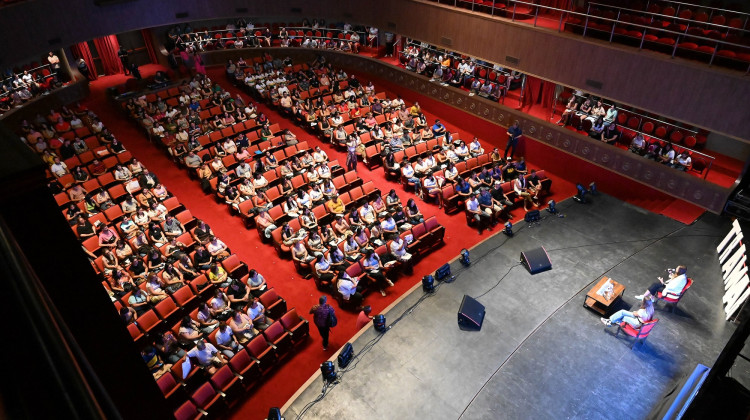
column 470, row 314
column 536, row 260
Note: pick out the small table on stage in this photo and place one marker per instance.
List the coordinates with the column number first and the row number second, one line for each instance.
column 599, row 303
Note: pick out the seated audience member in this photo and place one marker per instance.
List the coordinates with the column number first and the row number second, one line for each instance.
column 570, row 109
column 674, row 285
column 242, row 327
column 610, row 134
column 473, row 210
column 208, row 357
column 683, row 161
column 350, row 289
column 257, row 313
column 638, row 145
column 635, row 319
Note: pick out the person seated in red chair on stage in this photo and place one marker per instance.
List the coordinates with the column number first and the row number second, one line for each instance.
column 635, row 319
column 674, row 285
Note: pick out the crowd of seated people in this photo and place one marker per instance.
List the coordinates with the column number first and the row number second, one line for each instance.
column 609, row 124
column 156, row 261
column 354, row 118
column 244, row 34
column 282, row 180
column 18, row 87
column 450, row 68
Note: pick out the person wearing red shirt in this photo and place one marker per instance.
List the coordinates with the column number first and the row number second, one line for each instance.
column 62, row 126
column 364, row 317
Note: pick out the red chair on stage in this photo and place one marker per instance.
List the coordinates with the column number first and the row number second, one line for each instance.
column 673, row 298
column 639, row 334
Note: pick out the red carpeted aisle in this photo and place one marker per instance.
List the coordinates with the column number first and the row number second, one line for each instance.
column 281, row 383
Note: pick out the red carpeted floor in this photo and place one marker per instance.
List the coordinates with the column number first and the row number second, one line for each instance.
column 281, row 383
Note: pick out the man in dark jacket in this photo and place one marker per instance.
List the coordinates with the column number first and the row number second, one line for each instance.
column 322, row 313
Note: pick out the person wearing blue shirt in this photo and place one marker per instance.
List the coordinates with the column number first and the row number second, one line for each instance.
column 438, row 129
column 514, row 133
column 485, row 204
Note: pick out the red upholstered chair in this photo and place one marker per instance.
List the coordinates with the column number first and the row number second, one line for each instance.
column 187, row 411
column 246, row 367
column 673, row 298
column 639, row 334
column 279, row 338
column 226, row 383
column 274, row 304
column 298, row 327
column 149, row 321
column 173, row 390
column 167, row 308
column 207, row 399
column 262, row 352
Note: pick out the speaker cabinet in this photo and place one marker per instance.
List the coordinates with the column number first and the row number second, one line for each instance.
column 470, row 314
column 536, row 260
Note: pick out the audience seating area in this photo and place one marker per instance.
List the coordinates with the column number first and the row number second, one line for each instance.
column 277, row 188
column 21, row 84
column 198, row 391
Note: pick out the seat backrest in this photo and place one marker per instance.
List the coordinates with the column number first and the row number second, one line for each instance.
column 646, row 328
column 269, row 297
column 166, row 382
column 231, row 263
column 186, row 411
column 273, row 331
column 431, row 223
column 257, row 345
column 290, row 319
column 203, row 395
column 418, row 230
column 240, row 360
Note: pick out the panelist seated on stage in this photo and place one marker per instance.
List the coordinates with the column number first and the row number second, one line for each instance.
column 674, row 285
column 644, row 314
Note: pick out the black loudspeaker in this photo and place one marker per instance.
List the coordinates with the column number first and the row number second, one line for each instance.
column 470, row 314
column 532, row 216
column 536, row 260
column 443, row 272
column 346, row 355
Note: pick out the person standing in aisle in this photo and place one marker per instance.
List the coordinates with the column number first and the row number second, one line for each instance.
column 322, row 314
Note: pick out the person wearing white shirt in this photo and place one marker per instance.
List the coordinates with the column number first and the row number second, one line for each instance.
column 672, row 287
column 367, row 213
column 319, row 156
column 472, row 209
column 349, row 289
column 475, row 148
column 226, row 341
column 58, row 168
column 409, row 174
column 244, row 170
column 398, row 250
column 207, row 355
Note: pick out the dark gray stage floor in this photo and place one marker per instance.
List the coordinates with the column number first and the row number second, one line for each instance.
column 540, row 354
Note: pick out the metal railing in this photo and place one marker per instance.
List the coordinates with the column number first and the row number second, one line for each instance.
column 586, row 17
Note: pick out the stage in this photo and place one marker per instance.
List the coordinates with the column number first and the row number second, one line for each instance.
column 540, row 354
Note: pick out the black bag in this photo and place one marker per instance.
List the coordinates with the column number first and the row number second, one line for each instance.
column 532, row 216
column 332, row 320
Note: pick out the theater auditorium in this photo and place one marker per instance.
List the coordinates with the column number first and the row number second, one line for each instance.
column 448, row 209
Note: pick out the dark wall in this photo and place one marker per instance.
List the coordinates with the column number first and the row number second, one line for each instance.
column 712, row 98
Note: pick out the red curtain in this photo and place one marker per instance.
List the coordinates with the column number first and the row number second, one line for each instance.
column 81, row 50
column 107, row 46
column 547, row 95
column 148, row 40
column 538, row 91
